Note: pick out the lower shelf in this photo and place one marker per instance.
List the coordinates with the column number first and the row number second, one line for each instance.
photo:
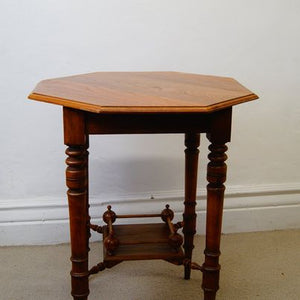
column 141, row 242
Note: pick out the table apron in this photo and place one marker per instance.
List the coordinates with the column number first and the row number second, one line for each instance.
column 147, row 123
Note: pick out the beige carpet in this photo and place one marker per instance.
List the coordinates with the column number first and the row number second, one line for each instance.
column 263, row 265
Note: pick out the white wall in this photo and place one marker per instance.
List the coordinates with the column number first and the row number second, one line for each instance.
column 257, row 42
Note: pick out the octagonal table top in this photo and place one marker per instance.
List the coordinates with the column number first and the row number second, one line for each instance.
column 143, row 92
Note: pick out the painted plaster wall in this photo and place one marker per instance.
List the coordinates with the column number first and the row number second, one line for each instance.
column 256, row 42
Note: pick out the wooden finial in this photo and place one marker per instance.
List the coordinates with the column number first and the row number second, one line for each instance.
column 167, row 214
column 109, row 215
column 111, row 243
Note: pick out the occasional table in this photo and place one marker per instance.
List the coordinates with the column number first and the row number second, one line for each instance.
column 148, row 103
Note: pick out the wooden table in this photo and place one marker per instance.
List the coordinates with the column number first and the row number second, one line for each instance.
column 146, row 102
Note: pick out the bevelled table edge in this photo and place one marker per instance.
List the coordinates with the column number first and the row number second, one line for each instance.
column 141, row 109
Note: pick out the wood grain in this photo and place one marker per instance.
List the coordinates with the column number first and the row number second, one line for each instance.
column 142, row 241
column 146, row 102
column 77, row 183
column 142, row 92
column 192, row 142
column 219, row 135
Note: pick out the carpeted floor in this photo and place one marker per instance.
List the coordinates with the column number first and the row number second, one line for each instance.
column 264, row 265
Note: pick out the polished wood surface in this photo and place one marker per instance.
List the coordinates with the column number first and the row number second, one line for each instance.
column 218, row 135
column 142, row 241
column 142, row 92
column 146, row 102
column 192, row 142
column 150, row 241
column 147, row 123
column 116, row 237
column 77, row 183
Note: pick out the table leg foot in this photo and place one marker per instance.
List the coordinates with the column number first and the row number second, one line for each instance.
column 80, row 297
column 209, row 295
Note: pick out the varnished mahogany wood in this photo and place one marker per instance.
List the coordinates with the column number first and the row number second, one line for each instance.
column 143, row 92
column 192, row 141
column 142, row 241
column 112, row 239
column 164, row 215
column 76, row 179
column 138, row 216
column 216, row 176
column 146, row 123
column 146, row 102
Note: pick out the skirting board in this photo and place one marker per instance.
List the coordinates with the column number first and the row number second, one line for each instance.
column 44, row 220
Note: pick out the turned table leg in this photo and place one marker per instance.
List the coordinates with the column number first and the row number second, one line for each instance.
column 87, row 192
column 216, row 176
column 192, row 141
column 77, row 182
